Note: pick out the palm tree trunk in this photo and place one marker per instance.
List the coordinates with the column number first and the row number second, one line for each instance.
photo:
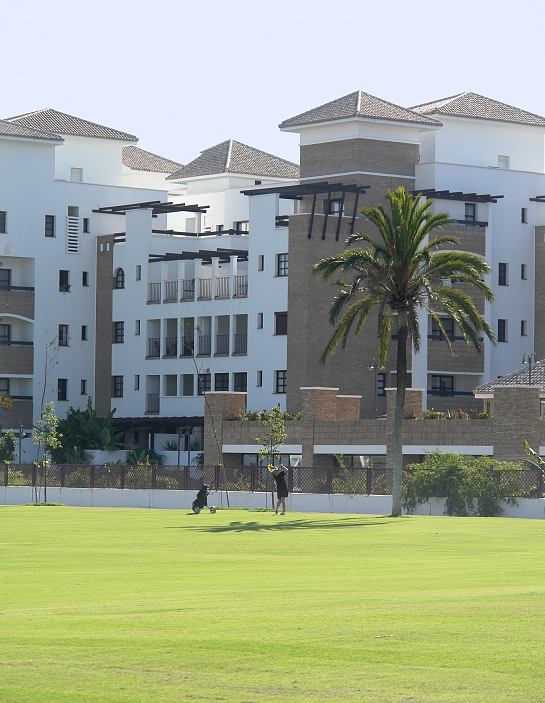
column 397, row 453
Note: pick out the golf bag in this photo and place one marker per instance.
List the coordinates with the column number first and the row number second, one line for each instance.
column 201, row 502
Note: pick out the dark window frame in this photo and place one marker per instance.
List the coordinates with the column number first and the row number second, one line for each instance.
column 62, row 389
column 523, row 328
column 119, row 332
column 381, row 383
column 84, row 333
column 240, row 382
column 445, row 385
column 119, row 279
column 470, row 212
column 502, row 330
column 221, row 381
column 85, row 279
column 117, row 386
column 63, row 336
column 204, row 383
column 282, row 264
column 281, row 323
column 83, row 387
column 524, row 272
column 503, row 274
column 49, row 226
column 281, row 381
column 3, row 221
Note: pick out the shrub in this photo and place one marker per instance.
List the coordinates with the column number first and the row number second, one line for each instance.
column 469, row 485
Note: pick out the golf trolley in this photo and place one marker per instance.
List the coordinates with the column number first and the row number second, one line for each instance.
column 200, row 501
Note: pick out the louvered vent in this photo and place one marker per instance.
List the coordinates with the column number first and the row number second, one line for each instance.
column 73, row 233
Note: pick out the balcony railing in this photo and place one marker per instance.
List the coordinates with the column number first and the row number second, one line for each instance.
column 23, row 288
column 15, row 343
column 222, row 287
column 241, row 344
column 204, row 348
column 154, row 347
column 154, row 292
column 222, row 344
column 152, row 405
column 171, row 292
column 205, row 288
column 188, row 289
column 241, row 287
column 471, row 223
column 187, row 346
column 171, row 346
column 282, row 221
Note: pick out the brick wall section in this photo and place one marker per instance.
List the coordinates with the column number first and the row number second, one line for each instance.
column 218, row 407
column 246, row 431
column 516, row 418
column 17, row 302
column 103, row 332
column 348, row 407
column 413, row 404
column 465, row 403
column 348, row 155
column 350, row 432
column 20, row 415
column 470, row 238
column 539, row 314
column 449, row 432
column 14, row 360
column 463, row 358
column 317, row 404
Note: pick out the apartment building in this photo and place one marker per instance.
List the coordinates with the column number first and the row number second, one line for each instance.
column 482, row 161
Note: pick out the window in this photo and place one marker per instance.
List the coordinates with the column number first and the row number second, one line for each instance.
column 83, row 387
column 204, row 383
column 219, row 228
column 4, row 386
column 260, row 262
column 448, row 326
column 119, row 332
column 221, row 382
column 336, row 207
column 137, row 382
column 240, row 382
column 502, row 330
column 470, row 212
column 3, row 221
column 257, row 183
column 523, row 272
column 86, row 225
column 63, row 335
column 281, row 323
column 503, row 162
column 118, row 386
column 242, row 226
column 76, row 175
column 85, row 278
column 523, row 328
column 442, row 385
column 84, row 336
column 119, row 279
column 49, row 226
column 259, row 381
column 5, row 335
column 524, row 215
column 259, row 320
column 381, row 384
column 73, row 211
column 502, row 274
column 282, row 265
column 138, row 272
column 137, row 327
column 280, row 384
column 64, row 281
column 5, row 279
column 187, row 384
column 62, row 389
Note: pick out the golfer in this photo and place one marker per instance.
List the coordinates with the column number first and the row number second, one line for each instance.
column 279, row 475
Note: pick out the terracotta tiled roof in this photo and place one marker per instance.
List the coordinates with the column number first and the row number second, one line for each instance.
column 520, row 377
column 14, row 130
column 479, row 107
column 233, row 157
column 358, row 104
column 49, row 120
column 140, row 160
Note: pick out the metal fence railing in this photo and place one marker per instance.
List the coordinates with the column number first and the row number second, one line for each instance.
column 526, row 483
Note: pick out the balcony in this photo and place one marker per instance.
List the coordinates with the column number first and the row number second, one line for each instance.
column 17, row 300
column 171, row 292
column 154, row 293
column 204, row 345
column 240, row 344
column 205, row 289
column 240, row 287
column 222, row 288
column 188, row 289
column 171, row 348
column 187, row 346
column 16, row 359
column 152, row 404
column 222, row 345
column 154, row 348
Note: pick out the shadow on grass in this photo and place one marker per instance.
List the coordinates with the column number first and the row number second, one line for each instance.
column 290, row 524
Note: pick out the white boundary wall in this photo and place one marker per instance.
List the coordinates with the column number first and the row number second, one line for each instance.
column 298, row 502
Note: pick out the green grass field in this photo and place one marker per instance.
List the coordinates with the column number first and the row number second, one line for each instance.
column 245, row 607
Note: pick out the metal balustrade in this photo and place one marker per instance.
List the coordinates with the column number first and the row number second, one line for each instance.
column 171, row 346
column 186, row 346
column 205, row 288
column 222, row 287
column 240, row 288
column 152, row 403
column 154, row 347
column 240, row 344
column 171, row 292
column 204, row 345
column 222, row 345
column 154, row 292
column 188, row 289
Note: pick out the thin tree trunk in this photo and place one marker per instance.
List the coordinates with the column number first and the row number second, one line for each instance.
column 402, row 332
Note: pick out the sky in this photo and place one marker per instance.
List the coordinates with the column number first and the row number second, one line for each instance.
column 184, row 75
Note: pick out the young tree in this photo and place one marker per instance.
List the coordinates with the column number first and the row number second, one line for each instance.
column 46, row 437
column 273, row 440
column 400, row 270
column 8, row 445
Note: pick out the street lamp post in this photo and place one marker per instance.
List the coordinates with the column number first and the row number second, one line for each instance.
column 21, row 435
column 529, row 359
column 373, row 365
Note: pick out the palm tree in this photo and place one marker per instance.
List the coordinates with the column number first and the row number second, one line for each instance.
column 402, row 271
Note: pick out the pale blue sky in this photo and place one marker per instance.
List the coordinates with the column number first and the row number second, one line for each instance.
column 183, row 75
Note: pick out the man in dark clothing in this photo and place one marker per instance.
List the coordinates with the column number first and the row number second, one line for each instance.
column 279, row 475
